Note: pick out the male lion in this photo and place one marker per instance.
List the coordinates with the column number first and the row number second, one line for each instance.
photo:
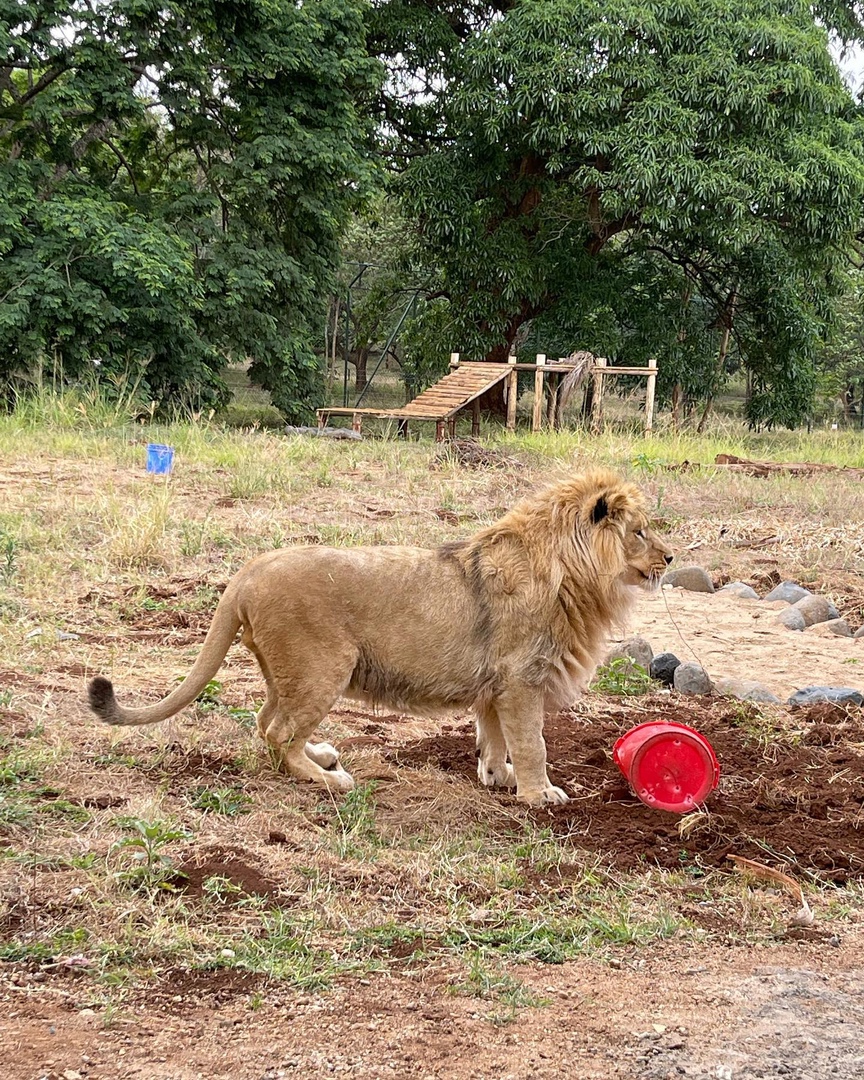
column 510, row 622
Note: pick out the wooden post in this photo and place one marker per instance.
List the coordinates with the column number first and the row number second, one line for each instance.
column 356, row 422
column 451, row 428
column 512, row 394
column 323, row 417
column 439, row 431
column 475, row 417
column 537, row 418
column 650, row 387
column 403, row 429
column 597, row 404
column 454, row 360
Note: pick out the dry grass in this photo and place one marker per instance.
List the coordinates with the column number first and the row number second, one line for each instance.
column 415, row 867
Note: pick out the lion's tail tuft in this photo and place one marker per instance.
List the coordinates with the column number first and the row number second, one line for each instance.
column 100, row 694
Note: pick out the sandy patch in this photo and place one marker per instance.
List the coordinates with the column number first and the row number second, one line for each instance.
column 742, row 639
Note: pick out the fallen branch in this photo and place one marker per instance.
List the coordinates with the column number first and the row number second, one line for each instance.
column 805, row 916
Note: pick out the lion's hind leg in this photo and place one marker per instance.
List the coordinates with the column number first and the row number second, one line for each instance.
column 296, row 705
column 321, row 753
column 493, row 769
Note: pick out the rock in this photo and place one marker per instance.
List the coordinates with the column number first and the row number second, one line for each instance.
column 816, row 609
column 691, row 679
column 859, row 632
column 663, row 668
column 62, row 635
column 837, row 695
column 739, row 589
column 788, row 591
column 791, row 619
column 832, row 626
column 636, row 648
column 692, row 578
column 745, row 690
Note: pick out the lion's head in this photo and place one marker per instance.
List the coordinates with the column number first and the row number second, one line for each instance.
column 595, row 527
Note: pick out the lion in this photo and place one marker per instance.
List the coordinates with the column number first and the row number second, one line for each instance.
column 510, row 623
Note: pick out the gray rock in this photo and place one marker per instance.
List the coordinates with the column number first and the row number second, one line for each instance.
column 859, row 632
column 832, row 626
column 788, row 591
column 636, row 648
column 691, row 679
column 692, row 578
column 745, row 690
column 663, row 668
column 791, row 619
column 62, row 635
column 837, row 695
column 816, row 609
column 739, row 589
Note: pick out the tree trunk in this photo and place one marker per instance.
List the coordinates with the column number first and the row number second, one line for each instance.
column 361, row 359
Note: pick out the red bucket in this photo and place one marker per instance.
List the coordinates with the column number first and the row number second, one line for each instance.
column 669, row 765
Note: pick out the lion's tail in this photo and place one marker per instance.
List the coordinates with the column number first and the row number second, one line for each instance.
column 221, row 634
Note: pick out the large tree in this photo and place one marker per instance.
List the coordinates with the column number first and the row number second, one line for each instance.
column 546, row 147
column 175, row 176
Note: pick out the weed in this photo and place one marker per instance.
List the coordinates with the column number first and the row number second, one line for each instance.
column 623, row 677
column 490, row 983
column 8, row 556
column 147, row 866
column 229, row 801
column 209, row 698
column 355, row 814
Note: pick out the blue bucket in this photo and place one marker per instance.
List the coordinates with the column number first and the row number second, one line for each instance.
column 160, row 459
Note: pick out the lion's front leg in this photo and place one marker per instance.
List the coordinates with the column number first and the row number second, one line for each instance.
column 520, row 713
column 493, row 769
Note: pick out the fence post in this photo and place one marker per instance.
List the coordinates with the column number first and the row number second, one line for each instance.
column 512, row 394
column 537, row 418
column 650, row 387
column 454, row 360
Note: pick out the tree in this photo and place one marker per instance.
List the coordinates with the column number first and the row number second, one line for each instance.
column 175, row 178
column 552, row 146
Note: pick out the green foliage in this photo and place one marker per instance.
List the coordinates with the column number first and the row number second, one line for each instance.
column 631, row 179
column 229, row 801
column 623, row 677
column 175, row 178
column 145, row 863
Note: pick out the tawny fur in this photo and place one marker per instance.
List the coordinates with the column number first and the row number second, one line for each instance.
column 510, row 623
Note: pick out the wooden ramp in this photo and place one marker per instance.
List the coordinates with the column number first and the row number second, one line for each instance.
column 462, row 387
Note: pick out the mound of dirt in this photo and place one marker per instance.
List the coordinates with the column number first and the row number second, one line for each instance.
column 789, row 800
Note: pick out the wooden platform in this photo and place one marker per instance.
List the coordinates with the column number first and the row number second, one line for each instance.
column 440, row 402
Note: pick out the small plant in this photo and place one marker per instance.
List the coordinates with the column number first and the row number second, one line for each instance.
column 229, row 801
column 246, row 718
column 623, row 677
column 8, row 556
column 147, row 864
column 356, row 816
column 220, row 889
column 209, row 697
column 492, row 984
column 646, row 463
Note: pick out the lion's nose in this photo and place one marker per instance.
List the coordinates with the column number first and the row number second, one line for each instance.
column 669, row 558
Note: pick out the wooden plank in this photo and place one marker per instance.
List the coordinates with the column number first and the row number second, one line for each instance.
column 610, row 369
column 537, row 416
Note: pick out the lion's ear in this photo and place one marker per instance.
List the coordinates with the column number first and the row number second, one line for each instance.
column 599, row 510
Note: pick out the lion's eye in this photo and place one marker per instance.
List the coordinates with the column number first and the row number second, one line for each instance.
column 640, row 533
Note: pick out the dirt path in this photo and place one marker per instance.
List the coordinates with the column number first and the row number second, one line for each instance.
column 793, row 1011
column 742, row 639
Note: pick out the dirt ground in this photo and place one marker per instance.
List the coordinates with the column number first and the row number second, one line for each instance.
column 793, row 1011
column 741, row 993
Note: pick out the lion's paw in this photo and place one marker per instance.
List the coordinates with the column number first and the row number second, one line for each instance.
column 548, row 796
column 338, row 780
column 322, row 754
column 497, row 775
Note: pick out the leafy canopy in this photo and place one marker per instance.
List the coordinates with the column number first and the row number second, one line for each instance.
column 175, row 179
column 557, row 154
